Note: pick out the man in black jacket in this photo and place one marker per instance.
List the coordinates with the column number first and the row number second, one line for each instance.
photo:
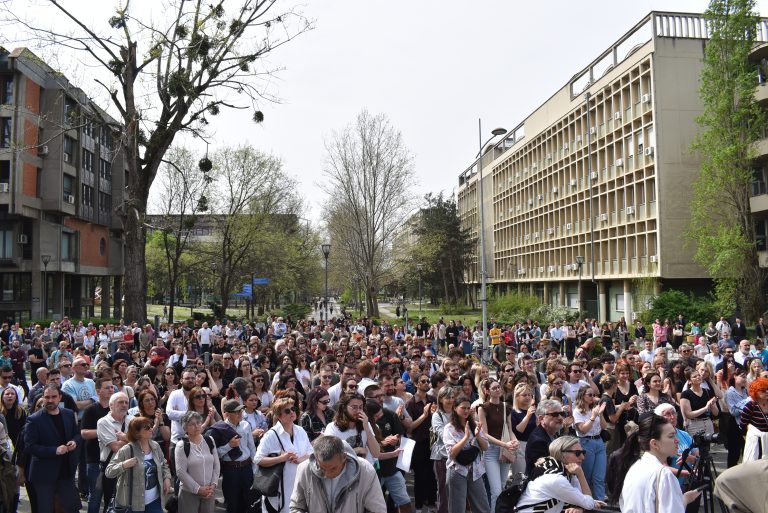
column 738, row 331
column 551, row 418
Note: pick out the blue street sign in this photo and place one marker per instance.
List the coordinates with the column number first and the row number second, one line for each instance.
column 241, row 294
column 247, row 289
column 261, row 281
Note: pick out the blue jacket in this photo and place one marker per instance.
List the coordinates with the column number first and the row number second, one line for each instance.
column 39, row 436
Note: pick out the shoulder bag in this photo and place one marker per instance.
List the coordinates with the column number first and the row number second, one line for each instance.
column 114, row 507
column 505, row 455
column 267, row 480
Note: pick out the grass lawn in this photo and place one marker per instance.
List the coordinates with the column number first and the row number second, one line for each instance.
column 432, row 313
column 183, row 312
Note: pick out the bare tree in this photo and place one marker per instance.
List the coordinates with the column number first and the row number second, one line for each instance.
column 166, row 77
column 181, row 198
column 368, row 171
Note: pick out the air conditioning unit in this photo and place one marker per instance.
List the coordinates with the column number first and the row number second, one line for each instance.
column 42, row 151
column 540, row 197
column 550, row 231
column 568, row 226
column 648, row 152
column 511, row 210
column 574, row 183
column 592, row 130
column 541, row 269
column 549, row 157
column 530, row 202
column 66, row 157
column 509, row 180
column 527, row 237
column 551, row 268
column 517, row 175
column 603, row 217
column 654, row 259
column 617, row 116
column 567, row 267
column 4, row 187
column 593, row 175
column 521, row 272
column 578, row 138
column 619, row 162
column 630, row 211
column 69, row 198
column 535, row 235
column 565, row 146
column 534, row 167
column 518, row 208
column 525, row 170
column 646, row 98
column 23, row 238
column 555, row 190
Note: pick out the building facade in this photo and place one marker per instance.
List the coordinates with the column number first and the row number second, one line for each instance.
column 600, row 173
column 61, row 177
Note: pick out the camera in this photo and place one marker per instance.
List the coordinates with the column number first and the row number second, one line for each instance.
column 704, row 439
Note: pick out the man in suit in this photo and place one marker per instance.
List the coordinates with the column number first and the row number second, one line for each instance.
column 53, row 440
column 551, row 417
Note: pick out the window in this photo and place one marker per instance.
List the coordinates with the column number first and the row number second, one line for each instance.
column 619, row 302
column 105, row 203
column 6, row 243
column 88, row 128
column 87, row 196
column 105, row 137
column 69, row 149
column 102, row 246
column 105, row 169
column 87, row 160
column 5, row 171
column 573, row 300
column 70, row 111
column 68, row 247
column 7, row 90
column 15, row 286
column 758, row 182
column 5, row 132
column 68, row 185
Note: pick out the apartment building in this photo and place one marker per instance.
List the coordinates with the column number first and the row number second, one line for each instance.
column 61, row 177
column 600, row 173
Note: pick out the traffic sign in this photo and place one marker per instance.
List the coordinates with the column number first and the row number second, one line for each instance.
column 261, row 281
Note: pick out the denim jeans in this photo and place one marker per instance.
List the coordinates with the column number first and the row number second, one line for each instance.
column 594, row 464
column 94, row 493
column 497, row 472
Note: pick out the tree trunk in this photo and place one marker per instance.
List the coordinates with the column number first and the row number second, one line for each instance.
column 445, row 284
column 136, row 270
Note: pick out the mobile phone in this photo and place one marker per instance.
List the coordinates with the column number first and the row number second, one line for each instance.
column 701, row 488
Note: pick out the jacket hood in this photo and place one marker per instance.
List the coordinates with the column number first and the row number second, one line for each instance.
column 351, row 469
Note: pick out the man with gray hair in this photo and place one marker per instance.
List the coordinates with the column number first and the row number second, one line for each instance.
column 111, row 431
column 334, row 479
column 551, row 418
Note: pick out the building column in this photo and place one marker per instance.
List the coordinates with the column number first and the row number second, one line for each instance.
column 531, row 289
column 546, row 292
column 629, row 310
column 602, row 301
column 117, row 309
column 562, row 299
column 36, row 310
column 106, row 288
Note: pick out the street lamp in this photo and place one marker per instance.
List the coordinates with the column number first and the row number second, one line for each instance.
column 483, row 275
column 580, row 263
column 326, row 251
column 46, row 260
column 419, row 267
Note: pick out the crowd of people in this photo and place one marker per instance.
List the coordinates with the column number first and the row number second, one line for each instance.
column 153, row 418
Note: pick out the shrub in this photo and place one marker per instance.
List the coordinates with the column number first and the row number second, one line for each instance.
column 670, row 303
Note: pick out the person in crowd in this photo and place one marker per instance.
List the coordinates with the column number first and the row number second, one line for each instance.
column 88, row 431
column 439, row 456
column 142, row 474
column 53, row 439
column 318, row 413
column 652, row 394
column 698, row 405
column 551, row 418
column 253, row 416
column 420, row 408
column 754, row 421
column 684, row 441
column 501, row 453
column 177, row 403
column 334, row 478
column 642, row 481
column 742, row 488
column 197, row 467
column 350, row 423
column 558, row 479
column 736, row 397
column 200, row 401
column 523, row 417
column 235, row 456
column 111, row 431
column 464, row 441
column 589, row 423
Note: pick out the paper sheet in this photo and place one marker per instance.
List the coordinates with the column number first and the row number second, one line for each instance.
column 404, row 458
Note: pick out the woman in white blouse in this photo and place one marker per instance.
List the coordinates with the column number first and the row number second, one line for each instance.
column 645, row 483
column 558, row 480
column 284, row 443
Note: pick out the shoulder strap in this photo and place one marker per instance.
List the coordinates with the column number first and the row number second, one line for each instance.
column 211, row 443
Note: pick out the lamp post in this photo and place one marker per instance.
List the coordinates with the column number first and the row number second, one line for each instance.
column 326, row 251
column 483, row 276
column 580, row 263
column 46, row 260
column 420, row 267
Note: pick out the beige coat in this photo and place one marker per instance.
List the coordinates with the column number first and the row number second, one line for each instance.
column 115, row 470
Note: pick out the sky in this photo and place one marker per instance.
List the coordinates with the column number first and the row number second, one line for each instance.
column 433, row 67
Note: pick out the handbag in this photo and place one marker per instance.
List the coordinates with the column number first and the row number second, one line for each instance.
column 505, row 455
column 467, row 456
column 605, row 435
column 114, row 507
column 268, row 480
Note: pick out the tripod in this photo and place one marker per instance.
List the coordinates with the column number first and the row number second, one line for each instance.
column 703, row 475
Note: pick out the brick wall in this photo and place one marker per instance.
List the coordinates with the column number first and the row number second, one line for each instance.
column 29, row 180
column 32, row 96
column 90, row 240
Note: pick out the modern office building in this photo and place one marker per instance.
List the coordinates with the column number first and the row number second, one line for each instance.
column 600, row 173
column 61, row 176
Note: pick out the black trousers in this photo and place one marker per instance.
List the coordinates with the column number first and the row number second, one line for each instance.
column 424, row 482
column 236, row 486
column 63, row 490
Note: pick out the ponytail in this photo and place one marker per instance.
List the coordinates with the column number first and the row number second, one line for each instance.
column 618, row 465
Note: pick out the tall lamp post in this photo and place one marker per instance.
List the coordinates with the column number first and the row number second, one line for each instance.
column 420, row 267
column 580, row 263
column 326, row 251
column 46, row 260
column 483, row 275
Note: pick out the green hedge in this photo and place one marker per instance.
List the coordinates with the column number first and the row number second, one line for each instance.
column 44, row 323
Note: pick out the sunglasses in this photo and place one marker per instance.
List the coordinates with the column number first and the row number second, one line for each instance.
column 577, row 453
column 325, row 401
column 288, row 411
column 199, row 396
column 557, row 414
column 146, row 427
column 424, row 381
column 352, row 387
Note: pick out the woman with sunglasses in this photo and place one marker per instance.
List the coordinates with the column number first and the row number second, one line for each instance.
column 216, row 383
column 349, row 385
column 318, row 413
column 589, row 422
column 303, row 372
column 259, row 387
column 495, row 414
column 253, row 416
column 557, row 480
column 445, row 400
column 645, row 484
column 199, row 401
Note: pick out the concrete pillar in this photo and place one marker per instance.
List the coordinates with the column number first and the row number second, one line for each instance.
column 602, row 301
column 531, row 289
column 117, row 308
column 562, row 298
column 629, row 309
column 37, row 294
column 106, row 289
column 546, row 292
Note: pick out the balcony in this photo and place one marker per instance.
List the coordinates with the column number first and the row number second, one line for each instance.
column 760, row 147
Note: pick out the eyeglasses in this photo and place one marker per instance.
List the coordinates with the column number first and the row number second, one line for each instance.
column 557, row 414
column 377, row 396
column 325, row 401
column 589, row 395
column 171, row 373
column 424, row 381
column 288, row 411
column 259, row 380
column 324, row 377
column 199, row 396
column 146, row 427
column 558, row 383
column 575, row 370
column 577, row 453
column 67, row 366
column 352, row 387
column 509, row 370
column 227, row 357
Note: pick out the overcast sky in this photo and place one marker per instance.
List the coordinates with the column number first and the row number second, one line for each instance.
column 434, row 67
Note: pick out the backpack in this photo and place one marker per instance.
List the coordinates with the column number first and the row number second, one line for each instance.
column 185, row 439
column 507, row 501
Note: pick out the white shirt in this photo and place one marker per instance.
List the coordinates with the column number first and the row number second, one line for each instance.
column 647, row 355
column 740, row 358
column 269, row 444
column 205, row 336
column 350, row 436
column 334, row 393
column 571, row 389
column 555, row 486
column 175, row 409
column 647, row 478
column 713, row 359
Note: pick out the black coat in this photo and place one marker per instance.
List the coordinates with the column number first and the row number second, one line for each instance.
column 537, row 447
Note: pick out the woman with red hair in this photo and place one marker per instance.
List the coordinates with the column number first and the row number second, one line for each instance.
column 754, row 421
